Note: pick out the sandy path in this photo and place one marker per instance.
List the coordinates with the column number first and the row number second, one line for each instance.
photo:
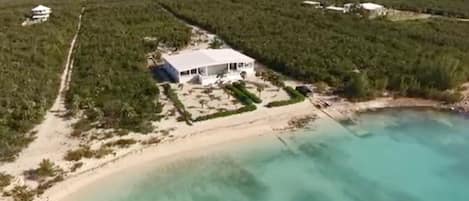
column 51, row 135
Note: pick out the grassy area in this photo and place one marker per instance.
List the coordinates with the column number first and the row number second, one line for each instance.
column 412, row 58
column 110, row 80
column 31, row 61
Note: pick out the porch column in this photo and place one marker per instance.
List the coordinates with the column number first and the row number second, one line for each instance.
column 206, row 71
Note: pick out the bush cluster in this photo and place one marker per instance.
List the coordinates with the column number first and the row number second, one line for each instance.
column 5, row 180
column 243, row 109
column 242, row 87
column 239, row 95
column 87, row 152
column 295, row 97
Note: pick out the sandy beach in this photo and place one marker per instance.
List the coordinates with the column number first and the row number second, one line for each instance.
column 215, row 133
column 199, row 136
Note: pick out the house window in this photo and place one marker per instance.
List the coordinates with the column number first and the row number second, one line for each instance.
column 232, row 66
column 194, row 71
column 183, row 73
column 240, row 65
column 202, row 71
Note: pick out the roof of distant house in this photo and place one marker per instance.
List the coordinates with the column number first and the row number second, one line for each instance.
column 206, row 57
column 40, row 7
column 335, row 8
column 371, row 6
column 312, row 2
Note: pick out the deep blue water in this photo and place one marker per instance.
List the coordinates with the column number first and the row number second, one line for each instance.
column 409, row 156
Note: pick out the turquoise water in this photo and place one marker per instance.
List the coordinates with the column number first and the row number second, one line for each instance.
column 409, row 156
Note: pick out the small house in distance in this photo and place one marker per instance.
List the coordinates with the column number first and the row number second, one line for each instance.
column 208, row 66
column 41, row 13
column 369, row 9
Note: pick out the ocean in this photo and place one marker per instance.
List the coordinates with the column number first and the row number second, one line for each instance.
column 408, row 155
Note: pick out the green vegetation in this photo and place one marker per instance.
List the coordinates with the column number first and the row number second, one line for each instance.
column 76, row 166
column 295, row 97
column 313, row 46
column 5, row 180
column 172, row 95
column 242, row 87
column 32, row 59
column 46, row 169
column 240, row 96
column 87, row 152
column 21, row 193
column 110, row 82
column 217, row 43
column 43, row 186
column 121, row 143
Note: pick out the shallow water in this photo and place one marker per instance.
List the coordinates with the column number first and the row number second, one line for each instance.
column 409, row 156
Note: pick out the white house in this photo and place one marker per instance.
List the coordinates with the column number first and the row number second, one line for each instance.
column 41, row 13
column 208, row 66
column 371, row 9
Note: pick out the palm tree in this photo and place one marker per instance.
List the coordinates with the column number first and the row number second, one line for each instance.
column 259, row 89
column 202, row 102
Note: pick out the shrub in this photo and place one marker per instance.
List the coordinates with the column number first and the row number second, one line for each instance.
column 5, row 180
column 238, row 94
column 21, row 193
column 78, row 154
column 295, row 97
column 121, row 143
column 86, row 152
column 76, row 166
column 242, row 88
column 246, row 108
column 46, row 169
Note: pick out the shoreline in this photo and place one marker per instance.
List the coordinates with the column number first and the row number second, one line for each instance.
column 214, row 133
column 204, row 135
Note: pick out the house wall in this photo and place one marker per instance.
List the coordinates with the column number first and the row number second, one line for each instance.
column 171, row 71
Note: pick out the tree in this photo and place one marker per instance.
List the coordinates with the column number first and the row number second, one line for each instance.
column 216, row 43
column 46, row 168
column 358, row 87
column 203, row 102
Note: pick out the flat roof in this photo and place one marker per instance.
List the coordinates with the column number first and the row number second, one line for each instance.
column 206, row 57
column 335, row 8
column 371, row 6
column 40, row 8
column 311, row 2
